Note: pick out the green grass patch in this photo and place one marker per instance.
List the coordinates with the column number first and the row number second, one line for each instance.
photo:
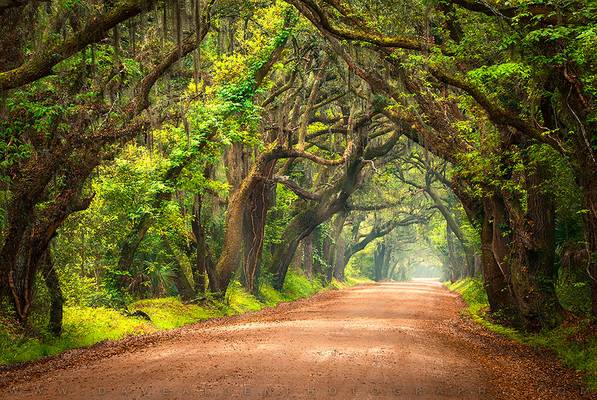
column 82, row 326
column 574, row 343
column 298, row 286
column 270, row 297
column 170, row 312
column 239, row 301
column 85, row 326
column 352, row 280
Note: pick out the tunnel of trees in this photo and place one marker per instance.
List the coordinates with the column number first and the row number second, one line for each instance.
column 171, row 148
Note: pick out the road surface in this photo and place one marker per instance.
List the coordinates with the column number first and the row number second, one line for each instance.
column 382, row 341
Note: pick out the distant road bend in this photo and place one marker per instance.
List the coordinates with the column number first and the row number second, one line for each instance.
column 382, row 341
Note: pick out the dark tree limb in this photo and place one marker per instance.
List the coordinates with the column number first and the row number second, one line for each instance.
column 295, row 188
column 6, row 4
column 41, row 64
column 56, row 297
column 319, row 17
column 540, row 13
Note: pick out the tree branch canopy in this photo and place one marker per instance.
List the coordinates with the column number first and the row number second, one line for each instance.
column 496, row 113
column 41, row 64
column 370, row 207
column 321, row 20
column 293, row 153
column 295, row 188
column 548, row 13
column 6, row 4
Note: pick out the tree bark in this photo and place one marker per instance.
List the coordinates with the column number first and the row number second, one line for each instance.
column 531, row 255
column 203, row 268
column 181, row 281
column 340, row 247
column 55, row 292
column 305, row 222
column 494, row 280
column 243, row 230
column 323, row 247
column 308, row 256
column 590, row 223
column 331, row 201
column 299, row 228
column 453, row 259
column 30, row 231
column 587, row 179
column 256, row 208
column 40, row 65
column 454, row 227
column 378, row 261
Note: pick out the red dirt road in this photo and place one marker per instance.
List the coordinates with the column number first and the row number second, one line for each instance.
column 383, row 341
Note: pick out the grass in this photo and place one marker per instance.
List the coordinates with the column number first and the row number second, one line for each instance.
column 82, row 326
column 170, row 312
column 572, row 342
column 85, row 326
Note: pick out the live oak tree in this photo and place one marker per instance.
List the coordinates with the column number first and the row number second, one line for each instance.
column 551, row 56
column 151, row 148
column 58, row 141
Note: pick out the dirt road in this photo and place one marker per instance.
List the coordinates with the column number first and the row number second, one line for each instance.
column 385, row 341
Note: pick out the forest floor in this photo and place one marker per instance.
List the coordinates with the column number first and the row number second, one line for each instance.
column 382, row 341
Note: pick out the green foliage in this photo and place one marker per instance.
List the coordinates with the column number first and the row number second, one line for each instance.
column 112, row 293
column 297, row 286
column 85, row 326
column 513, row 61
column 575, row 344
column 77, row 289
column 513, row 80
column 239, row 301
column 170, row 312
column 574, row 292
column 280, row 214
column 238, row 96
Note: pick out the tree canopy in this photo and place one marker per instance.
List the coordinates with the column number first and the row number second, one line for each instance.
column 160, row 148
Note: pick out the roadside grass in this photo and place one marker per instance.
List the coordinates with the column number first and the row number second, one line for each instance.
column 82, row 326
column 170, row 312
column 573, row 342
column 352, row 280
column 85, row 326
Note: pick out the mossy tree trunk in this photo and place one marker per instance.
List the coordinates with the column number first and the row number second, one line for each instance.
column 494, row 279
column 30, row 229
column 257, row 205
column 308, row 255
column 244, row 226
column 379, row 256
column 203, row 268
column 56, row 298
column 589, row 185
column 339, row 262
column 531, row 254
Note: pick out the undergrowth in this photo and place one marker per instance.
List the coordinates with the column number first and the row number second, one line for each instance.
column 85, row 326
column 572, row 342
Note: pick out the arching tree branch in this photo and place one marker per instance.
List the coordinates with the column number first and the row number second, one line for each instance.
column 295, row 188
column 41, row 64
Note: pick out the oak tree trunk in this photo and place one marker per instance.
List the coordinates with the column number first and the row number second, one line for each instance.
column 308, row 256
column 532, row 255
column 243, row 231
column 55, row 292
column 494, row 280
